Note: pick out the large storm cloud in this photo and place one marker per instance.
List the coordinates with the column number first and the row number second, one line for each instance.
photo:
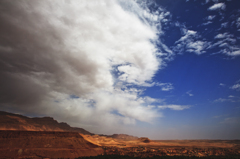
column 79, row 61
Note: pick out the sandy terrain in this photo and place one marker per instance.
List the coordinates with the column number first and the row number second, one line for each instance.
column 39, row 144
column 199, row 143
column 47, row 138
column 107, row 141
column 143, row 147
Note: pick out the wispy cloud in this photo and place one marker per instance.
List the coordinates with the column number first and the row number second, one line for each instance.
column 206, row 1
column 207, row 23
column 222, row 100
column 224, row 25
column 197, row 47
column 165, row 86
column 227, row 43
column 220, row 116
column 222, row 84
column 189, row 93
column 174, row 107
column 209, row 20
column 238, row 22
column 217, row 6
column 211, row 17
column 224, row 35
column 231, row 120
column 230, row 98
column 148, row 100
column 236, row 87
column 188, row 35
column 235, row 53
column 190, row 43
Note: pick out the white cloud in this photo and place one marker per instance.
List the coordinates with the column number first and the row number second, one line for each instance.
column 165, row 86
column 95, row 50
column 221, row 100
column 224, row 25
column 220, row 116
column 190, row 43
column 174, row 107
column 217, row 6
column 188, row 34
column 238, row 22
column 230, row 98
column 224, row 35
column 221, row 84
column 197, row 47
column 149, row 100
column 209, row 22
column 231, row 50
column 211, row 17
column 223, row 44
column 231, row 120
column 236, row 87
column 235, row 53
column 189, row 93
column 227, row 44
column 227, row 49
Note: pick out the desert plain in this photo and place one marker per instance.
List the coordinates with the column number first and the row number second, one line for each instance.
column 24, row 137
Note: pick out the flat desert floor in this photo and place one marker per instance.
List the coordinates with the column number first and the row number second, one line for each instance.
column 35, row 144
column 106, row 141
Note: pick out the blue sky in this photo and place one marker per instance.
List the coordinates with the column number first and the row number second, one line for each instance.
column 165, row 69
column 203, row 81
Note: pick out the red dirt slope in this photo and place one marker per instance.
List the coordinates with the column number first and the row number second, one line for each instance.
column 33, row 144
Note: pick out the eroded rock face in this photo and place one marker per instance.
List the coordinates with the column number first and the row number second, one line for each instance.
column 10, row 121
column 33, row 144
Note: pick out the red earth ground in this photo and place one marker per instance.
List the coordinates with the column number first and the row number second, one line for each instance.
column 24, row 137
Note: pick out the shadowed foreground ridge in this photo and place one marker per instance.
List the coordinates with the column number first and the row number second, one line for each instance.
column 34, row 144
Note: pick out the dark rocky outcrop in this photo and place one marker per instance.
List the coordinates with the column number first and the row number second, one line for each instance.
column 144, row 139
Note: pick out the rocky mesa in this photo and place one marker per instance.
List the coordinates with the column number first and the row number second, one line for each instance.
column 10, row 121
